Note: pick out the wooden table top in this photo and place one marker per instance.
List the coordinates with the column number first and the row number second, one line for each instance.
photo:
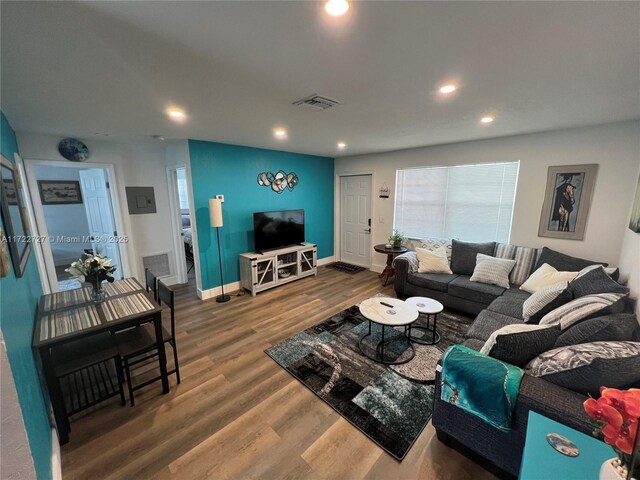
column 391, row 251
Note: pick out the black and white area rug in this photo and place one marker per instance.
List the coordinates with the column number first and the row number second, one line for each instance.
column 389, row 404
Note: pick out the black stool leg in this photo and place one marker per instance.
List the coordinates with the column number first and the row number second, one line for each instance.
column 175, row 359
column 129, row 383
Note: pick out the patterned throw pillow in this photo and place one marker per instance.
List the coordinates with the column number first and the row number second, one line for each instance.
column 595, row 279
column 580, row 308
column 492, row 270
column 433, row 261
column 517, row 344
column 545, row 300
column 586, row 367
column 436, row 243
column 544, row 276
column 525, row 258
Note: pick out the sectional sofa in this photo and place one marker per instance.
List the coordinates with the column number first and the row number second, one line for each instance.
column 497, row 307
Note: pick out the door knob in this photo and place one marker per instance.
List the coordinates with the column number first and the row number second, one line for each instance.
column 367, row 230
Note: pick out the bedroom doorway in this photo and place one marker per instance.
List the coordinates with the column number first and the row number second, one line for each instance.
column 184, row 223
column 75, row 213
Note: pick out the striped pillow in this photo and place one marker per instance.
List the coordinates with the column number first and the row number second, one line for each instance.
column 580, row 308
column 525, row 258
column 545, row 300
column 492, row 270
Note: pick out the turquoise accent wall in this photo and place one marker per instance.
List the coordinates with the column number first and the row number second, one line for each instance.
column 18, row 300
column 232, row 171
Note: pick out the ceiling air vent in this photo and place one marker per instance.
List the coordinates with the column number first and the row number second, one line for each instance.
column 316, row 102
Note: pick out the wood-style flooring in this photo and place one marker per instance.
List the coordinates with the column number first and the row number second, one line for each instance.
column 237, row 414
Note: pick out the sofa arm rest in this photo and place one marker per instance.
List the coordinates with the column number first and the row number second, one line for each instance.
column 554, row 402
column 403, row 265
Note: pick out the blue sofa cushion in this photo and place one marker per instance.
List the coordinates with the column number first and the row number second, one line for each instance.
column 477, row 292
column 434, row 281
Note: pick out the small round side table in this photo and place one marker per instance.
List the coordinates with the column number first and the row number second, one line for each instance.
column 388, row 271
column 388, row 312
column 429, row 307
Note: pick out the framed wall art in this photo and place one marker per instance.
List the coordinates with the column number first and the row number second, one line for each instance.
column 59, row 192
column 567, row 200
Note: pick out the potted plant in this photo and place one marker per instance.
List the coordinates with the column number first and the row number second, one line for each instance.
column 616, row 413
column 93, row 270
column 397, row 238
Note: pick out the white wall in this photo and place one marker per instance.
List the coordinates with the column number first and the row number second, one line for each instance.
column 613, row 146
column 630, row 251
column 137, row 164
column 64, row 220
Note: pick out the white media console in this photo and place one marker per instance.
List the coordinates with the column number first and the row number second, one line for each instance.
column 262, row 271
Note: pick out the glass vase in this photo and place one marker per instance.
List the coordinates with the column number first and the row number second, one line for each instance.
column 97, row 293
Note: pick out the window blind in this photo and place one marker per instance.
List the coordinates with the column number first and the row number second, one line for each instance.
column 467, row 202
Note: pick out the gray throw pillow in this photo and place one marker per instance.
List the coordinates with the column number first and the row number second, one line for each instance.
column 492, row 270
column 562, row 262
column 614, row 327
column 546, row 300
column 518, row 343
column 586, row 367
column 595, row 280
column 463, row 255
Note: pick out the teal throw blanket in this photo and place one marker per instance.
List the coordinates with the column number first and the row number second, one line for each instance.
column 481, row 385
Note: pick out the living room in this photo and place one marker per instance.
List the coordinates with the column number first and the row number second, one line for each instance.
column 401, row 91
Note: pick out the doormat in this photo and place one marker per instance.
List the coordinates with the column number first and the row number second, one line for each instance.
column 345, row 267
column 385, row 403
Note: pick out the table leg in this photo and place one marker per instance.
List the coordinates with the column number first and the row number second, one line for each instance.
column 162, row 356
column 55, row 395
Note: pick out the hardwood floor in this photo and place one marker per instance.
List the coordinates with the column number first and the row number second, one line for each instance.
column 237, row 414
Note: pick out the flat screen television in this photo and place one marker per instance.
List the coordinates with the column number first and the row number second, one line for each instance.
column 278, row 229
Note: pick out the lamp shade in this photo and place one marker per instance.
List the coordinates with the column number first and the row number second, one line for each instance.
column 215, row 212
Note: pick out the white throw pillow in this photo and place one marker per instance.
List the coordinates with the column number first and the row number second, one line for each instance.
column 433, row 261
column 544, row 276
column 492, row 270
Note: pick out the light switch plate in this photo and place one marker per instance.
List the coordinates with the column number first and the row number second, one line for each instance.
column 221, row 197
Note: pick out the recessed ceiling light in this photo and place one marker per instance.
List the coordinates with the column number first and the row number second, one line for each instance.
column 487, row 119
column 280, row 133
column 336, row 8
column 449, row 88
column 175, row 114
column 342, row 145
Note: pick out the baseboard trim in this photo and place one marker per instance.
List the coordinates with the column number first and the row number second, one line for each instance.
column 326, row 260
column 217, row 291
column 56, row 459
column 377, row 268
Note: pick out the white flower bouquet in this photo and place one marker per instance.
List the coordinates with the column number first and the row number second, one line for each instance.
column 92, row 269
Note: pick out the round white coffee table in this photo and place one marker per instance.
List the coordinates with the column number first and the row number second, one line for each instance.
column 429, row 307
column 388, row 312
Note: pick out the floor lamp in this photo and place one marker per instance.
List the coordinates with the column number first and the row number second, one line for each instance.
column 215, row 215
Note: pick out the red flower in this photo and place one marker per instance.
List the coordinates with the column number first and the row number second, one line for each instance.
column 603, row 412
column 627, row 402
column 621, row 437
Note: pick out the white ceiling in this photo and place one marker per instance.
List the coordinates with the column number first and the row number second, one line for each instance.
column 75, row 69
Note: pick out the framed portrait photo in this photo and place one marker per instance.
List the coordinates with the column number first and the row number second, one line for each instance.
column 567, row 200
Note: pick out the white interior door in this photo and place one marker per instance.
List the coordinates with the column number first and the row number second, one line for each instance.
column 355, row 220
column 97, row 204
